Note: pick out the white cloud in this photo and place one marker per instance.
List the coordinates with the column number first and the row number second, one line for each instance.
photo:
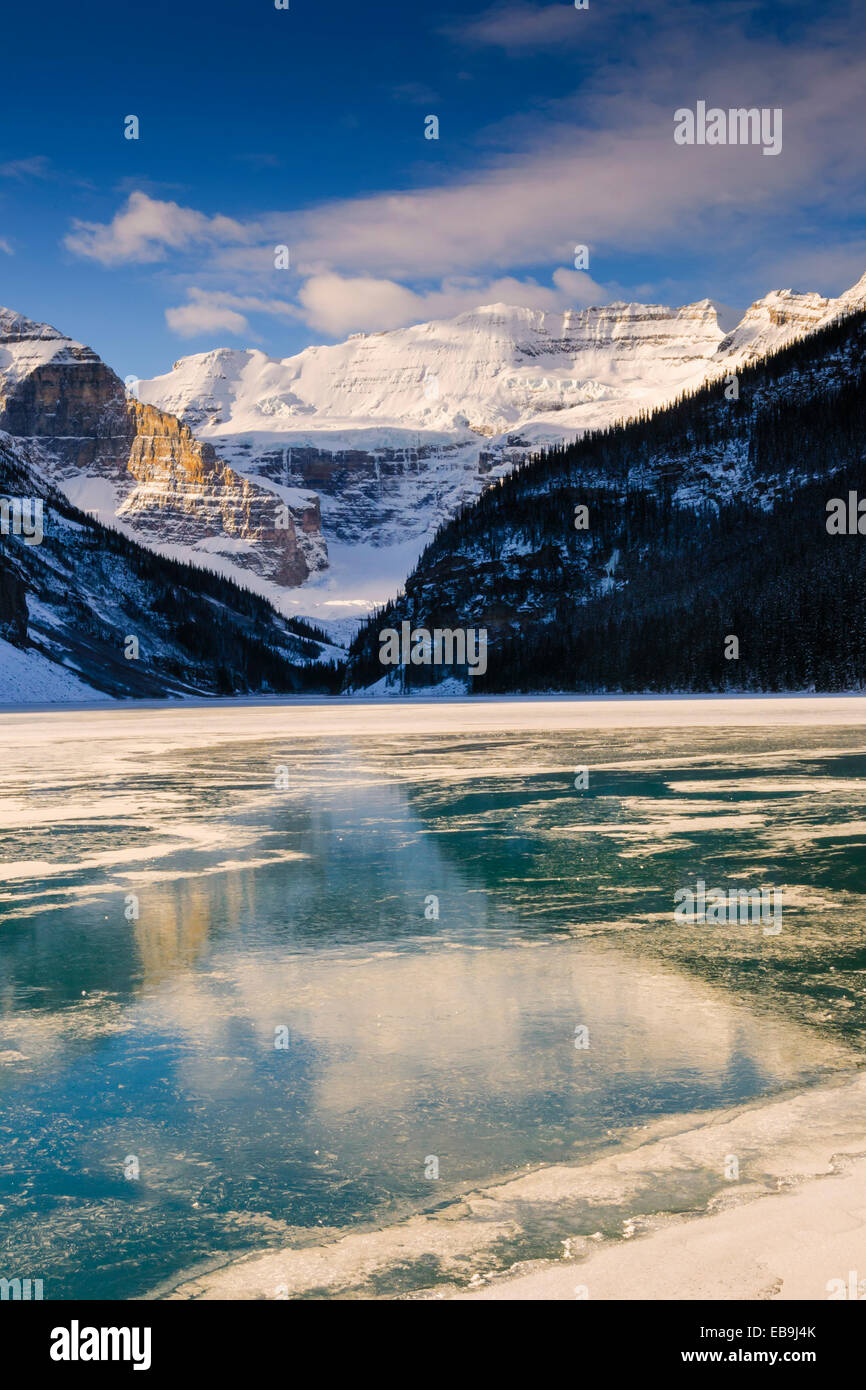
column 338, row 304
column 212, row 311
column 190, row 320
column 626, row 187
column 147, row 228
column 6, row 246
column 609, row 177
column 522, row 26
column 623, row 187
column 34, row 167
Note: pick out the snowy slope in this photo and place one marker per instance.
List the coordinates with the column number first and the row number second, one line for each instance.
column 27, row 677
column 493, row 370
column 483, row 372
column 26, row 346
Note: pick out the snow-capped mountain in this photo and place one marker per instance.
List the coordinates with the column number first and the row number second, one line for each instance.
column 482, row 373
column 318, row 479
column 396, row 430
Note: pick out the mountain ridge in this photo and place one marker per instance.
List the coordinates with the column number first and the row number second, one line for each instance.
column 250, row 394
column 397, row 430
column 367, row 446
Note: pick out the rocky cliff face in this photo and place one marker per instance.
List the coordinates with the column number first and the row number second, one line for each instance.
column 188, row 495
column 779, row 317
column 135, row 466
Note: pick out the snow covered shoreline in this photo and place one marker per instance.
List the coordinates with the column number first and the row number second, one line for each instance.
column 457, row 711
column 790, row 1227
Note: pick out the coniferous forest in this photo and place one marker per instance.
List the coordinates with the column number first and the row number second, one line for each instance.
column 704, row 522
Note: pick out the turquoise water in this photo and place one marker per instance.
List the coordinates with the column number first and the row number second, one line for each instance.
column 426, row 922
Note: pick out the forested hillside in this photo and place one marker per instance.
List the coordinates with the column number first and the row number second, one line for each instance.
column 703, row 522
column 128, row 622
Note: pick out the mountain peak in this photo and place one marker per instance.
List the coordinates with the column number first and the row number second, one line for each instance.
column 782, row 315
column 28, row 345
column 856, row 296
column 18, row 328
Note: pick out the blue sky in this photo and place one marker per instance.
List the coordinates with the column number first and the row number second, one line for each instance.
column 305, row 128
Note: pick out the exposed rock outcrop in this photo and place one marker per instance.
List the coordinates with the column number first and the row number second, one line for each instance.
column 137, row 467
column 87, row 611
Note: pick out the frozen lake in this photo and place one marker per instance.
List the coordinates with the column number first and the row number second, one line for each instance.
column 271, row 972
